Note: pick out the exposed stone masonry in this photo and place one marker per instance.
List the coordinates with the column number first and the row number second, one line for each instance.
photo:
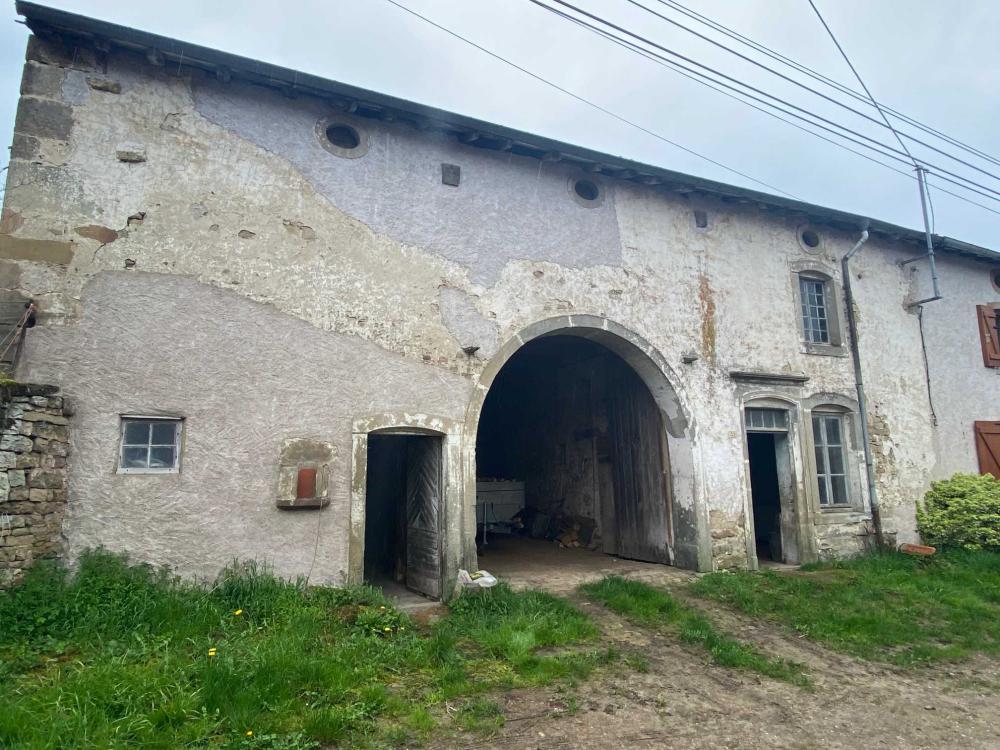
column 34, row 443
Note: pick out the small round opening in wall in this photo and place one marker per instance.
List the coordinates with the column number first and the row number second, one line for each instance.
column 809, row 238
column 343, row 136
column 587, row 190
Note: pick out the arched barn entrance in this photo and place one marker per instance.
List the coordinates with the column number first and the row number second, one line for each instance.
column 582, row 452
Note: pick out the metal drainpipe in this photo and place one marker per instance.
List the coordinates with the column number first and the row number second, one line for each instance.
column 852, row 335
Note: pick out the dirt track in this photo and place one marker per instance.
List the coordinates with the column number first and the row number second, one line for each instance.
column 685, row 702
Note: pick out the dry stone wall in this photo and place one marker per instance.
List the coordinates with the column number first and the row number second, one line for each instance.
column 34, row 443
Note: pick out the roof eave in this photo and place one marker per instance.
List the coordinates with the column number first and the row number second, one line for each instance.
column 43, row 20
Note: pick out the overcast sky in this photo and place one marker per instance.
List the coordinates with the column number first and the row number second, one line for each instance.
column 932, row 60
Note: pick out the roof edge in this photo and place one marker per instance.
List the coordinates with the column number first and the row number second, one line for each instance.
column 43, row 20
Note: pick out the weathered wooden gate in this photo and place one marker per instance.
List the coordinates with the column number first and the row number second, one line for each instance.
column 423, row 515
column 640, row 470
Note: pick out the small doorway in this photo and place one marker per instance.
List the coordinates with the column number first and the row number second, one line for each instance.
column 771, row 486
column 403, row 512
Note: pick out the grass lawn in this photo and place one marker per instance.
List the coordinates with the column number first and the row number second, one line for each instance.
column 645, row 605
column 888, row 607
column 123, row 656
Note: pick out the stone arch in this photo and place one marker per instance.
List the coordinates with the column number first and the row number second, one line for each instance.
column 692, row 548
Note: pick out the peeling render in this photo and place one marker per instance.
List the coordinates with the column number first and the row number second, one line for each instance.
column 268, row 290
column 396, row 188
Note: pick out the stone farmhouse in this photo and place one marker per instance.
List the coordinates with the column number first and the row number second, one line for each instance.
column 357, row 337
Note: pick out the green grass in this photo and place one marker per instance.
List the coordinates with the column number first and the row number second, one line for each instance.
column 887, row 607
column 125, row 656
column 649, row 606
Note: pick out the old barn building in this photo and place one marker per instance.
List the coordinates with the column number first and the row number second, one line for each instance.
column 302, row 322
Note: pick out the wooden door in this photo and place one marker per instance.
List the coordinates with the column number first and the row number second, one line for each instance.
column 988, row 447
column 640, row 469
column 423, row 516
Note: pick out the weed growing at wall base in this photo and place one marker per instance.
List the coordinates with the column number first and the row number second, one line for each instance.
column 123, row 656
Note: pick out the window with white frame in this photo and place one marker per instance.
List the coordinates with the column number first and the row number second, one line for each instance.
column 831, row 459
column 150, row 445
column 813, row 293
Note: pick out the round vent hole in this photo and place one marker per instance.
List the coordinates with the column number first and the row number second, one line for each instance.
column 586, row 190
column 810, row 238
column 343, row 136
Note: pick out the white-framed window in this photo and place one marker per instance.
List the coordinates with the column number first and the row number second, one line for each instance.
column 150, row 445
column 831, row 459
column 813, row 294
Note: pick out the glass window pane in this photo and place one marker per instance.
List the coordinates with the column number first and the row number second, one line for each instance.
column 134, row 458
column 136, row 433
column 820, row 461
column 164, row 433
column 836, row 456
column 839, row 489
column 833, row 431
column 823, row 500
column 161, row 458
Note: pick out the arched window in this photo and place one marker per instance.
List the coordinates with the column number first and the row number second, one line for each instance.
column 832, row 425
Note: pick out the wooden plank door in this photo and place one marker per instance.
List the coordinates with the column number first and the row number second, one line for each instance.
column 423, row 516
column 988, row 447
column 640, row 469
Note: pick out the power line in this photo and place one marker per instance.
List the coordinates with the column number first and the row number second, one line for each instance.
column 588, row 102
column 815, row 75
column 604, row 21
column 721, row 87
column 991, row 193
column 662, row 61
column 861, row 81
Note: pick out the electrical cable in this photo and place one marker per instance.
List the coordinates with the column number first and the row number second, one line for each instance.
column 861, row 81
column 632, row 47
column 588, row 102
column 819, row 77
column 692, row 61
column 991, row 193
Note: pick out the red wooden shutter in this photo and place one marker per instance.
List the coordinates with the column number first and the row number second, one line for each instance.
column 988, row 447
column 988, row 335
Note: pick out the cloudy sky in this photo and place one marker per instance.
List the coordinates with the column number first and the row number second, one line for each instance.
column 933, row 61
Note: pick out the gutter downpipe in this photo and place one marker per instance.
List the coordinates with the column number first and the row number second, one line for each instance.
column 852, row 334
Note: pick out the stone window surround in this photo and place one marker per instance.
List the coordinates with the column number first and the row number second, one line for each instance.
column 858, row 507
column 816, row 270
column 123, row 419
column 786, row 400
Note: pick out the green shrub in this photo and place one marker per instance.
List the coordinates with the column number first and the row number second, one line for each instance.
column 963, row 511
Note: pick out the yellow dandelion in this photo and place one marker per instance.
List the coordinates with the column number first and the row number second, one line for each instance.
column 386, row 629
column 238, row 612
column 381, row 607
column 249, row 733
column 212, row 651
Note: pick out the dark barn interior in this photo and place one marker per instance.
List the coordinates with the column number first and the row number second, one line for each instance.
column 570, row 433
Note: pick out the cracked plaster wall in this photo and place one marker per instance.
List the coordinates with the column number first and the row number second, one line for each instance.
column 237, row 197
